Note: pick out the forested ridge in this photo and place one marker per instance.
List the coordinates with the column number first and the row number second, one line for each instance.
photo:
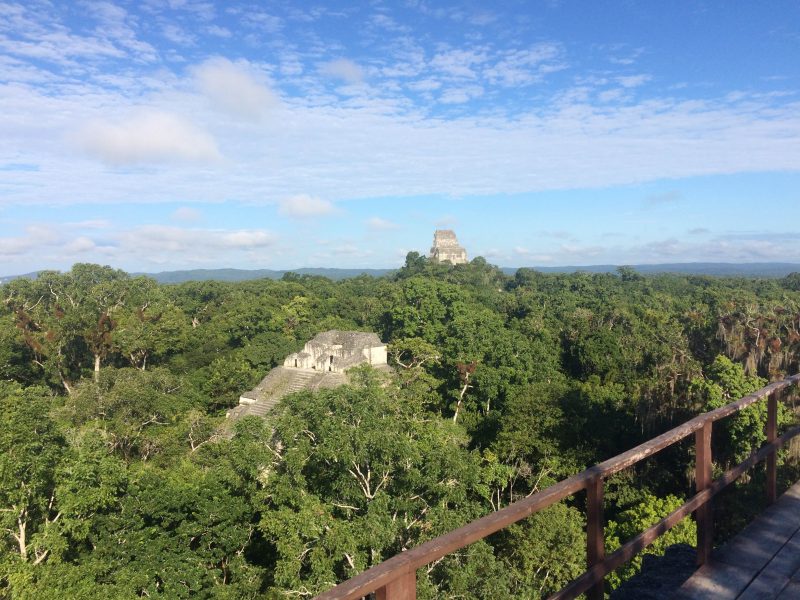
column 120, row 476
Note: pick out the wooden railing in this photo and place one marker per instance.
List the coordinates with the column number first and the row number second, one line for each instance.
column 395, row 578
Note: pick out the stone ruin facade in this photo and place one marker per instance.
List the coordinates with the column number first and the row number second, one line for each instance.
column 322, row 363
column 336, row 351
column 446, row 248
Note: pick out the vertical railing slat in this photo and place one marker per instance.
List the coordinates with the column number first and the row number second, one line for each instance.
column 772, row 433
column 704, row 515
column 595, row 533
column 402, row 588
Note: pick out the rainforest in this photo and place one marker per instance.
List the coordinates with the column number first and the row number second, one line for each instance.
column 122, row 477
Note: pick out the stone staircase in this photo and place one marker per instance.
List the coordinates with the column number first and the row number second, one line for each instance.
column 279, row 383
column 299, row 380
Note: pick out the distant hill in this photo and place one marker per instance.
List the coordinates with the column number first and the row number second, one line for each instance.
column 245, row 274
column 699, row 268
column 715, row 269
column 7, row 278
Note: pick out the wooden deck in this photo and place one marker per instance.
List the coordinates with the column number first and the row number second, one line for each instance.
column 762, row 562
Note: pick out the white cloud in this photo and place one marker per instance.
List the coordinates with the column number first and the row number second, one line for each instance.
column 304, row 206
column 459, row 63
column 247, row 239
column 631, row 81
column 80, row 245
column 343, row 69
column 612, row 95
column 177, row 35
column 524, row 254
column 260, row 20
column 147, row 137
column 186, row 214
column 13, row 247
column 36, row 236
column 234, row 88
column 89, row 224
column 379, row 224
column 218, row 31
column 425, row 85
column 177, row 243
column 524, row 67
column 134, row 249
column 460, row 95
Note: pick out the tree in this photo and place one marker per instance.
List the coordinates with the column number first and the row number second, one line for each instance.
column 31, row 450
column 150, row 326
column 65, row 317
column 734, row 438
column 360, row 473
column 544, row 552
column 133, row 408
column 635, row 519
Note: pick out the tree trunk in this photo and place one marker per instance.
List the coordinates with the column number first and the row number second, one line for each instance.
column 96, row 368
column 65, row 383
column 21, row 538
column 461, row 399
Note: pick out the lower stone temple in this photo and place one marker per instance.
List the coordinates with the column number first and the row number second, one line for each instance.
column 322, row 363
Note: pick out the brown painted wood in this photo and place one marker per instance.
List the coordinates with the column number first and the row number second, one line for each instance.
column 704, row 514
column 631, row 457
column 635, row 545
column 772, row 432
column 402, row 588
column 406, row 563
column 595, row 533
column 632, row 547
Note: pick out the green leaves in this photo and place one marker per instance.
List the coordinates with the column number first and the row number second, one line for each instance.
column 359, row 474
column 127, row 481
column 638, row 517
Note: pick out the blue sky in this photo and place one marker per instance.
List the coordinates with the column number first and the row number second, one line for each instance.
column 189, row 134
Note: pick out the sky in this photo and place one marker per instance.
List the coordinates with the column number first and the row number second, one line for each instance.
column 179, row 134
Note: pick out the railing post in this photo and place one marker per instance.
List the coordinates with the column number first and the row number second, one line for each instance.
column 772, row 433
column 402, row 588
column 595, row 534
column 703, row 515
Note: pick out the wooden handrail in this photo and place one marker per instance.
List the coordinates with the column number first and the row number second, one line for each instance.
column 395, row 578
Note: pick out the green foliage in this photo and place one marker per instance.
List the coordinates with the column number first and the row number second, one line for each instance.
column 737, row 437
column 544, row 552
column 135, row 411
column 118, row 464
column 640, row 516
column 359, row 473
column 31, row 451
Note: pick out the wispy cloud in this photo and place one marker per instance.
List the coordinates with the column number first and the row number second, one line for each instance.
column 186, row 214
column 632, row 81
column 459, row 63
column 303, row 206
column 233, row 88
column 147, row 137
column 343, row 69
column 523, row 67
column 160, row 243
column 379, row 224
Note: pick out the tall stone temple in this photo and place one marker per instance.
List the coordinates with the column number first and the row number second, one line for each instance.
column 446, row 248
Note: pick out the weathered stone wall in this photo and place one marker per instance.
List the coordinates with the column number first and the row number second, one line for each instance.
column 335, row 351
column 446, row 248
